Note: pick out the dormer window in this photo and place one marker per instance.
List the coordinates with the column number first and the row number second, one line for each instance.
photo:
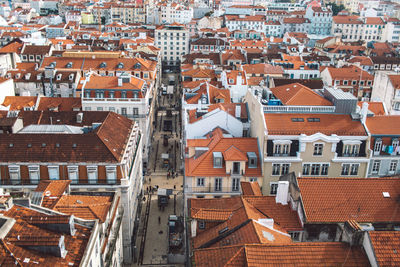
column 137, row 66
column 71, row 77
column 59, row 77
column 103, row 65
column 217, row 156
column 231, row 81
column 252, row 157
column 120, row 65
column 69, row 65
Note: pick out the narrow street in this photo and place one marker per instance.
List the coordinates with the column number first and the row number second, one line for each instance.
column 163, row 171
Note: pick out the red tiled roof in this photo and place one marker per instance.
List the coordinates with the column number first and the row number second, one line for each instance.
column 203, row 165
column 349, row 73
column 375, row 107
column 19, row 102
column 395, row 80
column 59, row 103
column 384, row 125
column 250, row 189
column 385, row 246
column 346, row 199
column 85, row 207
column 328, row 124
column 298, row 94
column 52, row 190
column 12, row 247
column 298, row 254
column 234, row 154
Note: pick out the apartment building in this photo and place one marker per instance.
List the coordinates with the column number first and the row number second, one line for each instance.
column 243, row 22
column 320, row 19
column 173, row 40
column 97, row 151
column 350, row 79
column 215, row 165
column 322, row 141
column 128, row 13
column 387, row 89
column 353, row 28
column 385, row 148
column 175, row 13
column 104, row 207
column 32, row 235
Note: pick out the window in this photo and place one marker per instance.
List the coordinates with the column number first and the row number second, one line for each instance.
column 73, row 174
column 324, row 169
column 111, row 174
column 92, row 174
column 111, row 94
column 235, row 184
column 377, row 146
column 123, row 94
column 295, row 236
column 217, row 159
column 218, row 184
column 135, row 111
column 351, row 150
column 318, row 149
column 99, row 109
column 111, row 109
column 252, row 159
column 306, row 169
column 123, row 111
column 376, row 166
column 236, row 168
column 393, row 166
column 14, row 174
column 200, row 181
column 54, row 173
column 34, row 174
column 345, row 169
column 274, row 188
column 202, row 224
column 354, row 169
column 315, row 169
column 276, row 169
column 285, row 169
column 253, row 179
column 395, row 144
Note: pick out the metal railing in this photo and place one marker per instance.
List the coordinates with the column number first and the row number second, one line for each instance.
column 299, row 109
column 79, row 182
column 212, row 189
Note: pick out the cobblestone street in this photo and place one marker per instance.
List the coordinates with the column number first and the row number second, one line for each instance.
column 162, row 172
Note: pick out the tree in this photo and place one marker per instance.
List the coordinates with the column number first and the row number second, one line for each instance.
column 336, row 8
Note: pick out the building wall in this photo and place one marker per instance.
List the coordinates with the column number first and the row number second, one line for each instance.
column 172, row 50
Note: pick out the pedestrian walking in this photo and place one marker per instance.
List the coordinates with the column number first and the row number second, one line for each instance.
column 159, row 220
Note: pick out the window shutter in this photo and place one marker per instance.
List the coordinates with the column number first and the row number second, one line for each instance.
column 270, row 148
column 294, row 148
column 362, row 149
column 339, row 149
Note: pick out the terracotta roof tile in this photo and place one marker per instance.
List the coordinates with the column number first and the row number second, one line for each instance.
column 386, row 245
column 203, row 165
column 59, row 103
column 346, row 199
column 384, row 125
column 302, row 254
column 328, row 124
column 19, row 102
column 375, row 107
column 85, row 207
column 250, row 189
column 234, row 154
column 297, row 94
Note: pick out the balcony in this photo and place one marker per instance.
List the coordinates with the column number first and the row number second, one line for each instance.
column 213, row 189
column 135, row 100
column 299, row 109
column 27, row 182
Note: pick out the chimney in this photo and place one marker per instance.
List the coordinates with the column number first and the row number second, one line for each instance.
column 194, row 227
column 238, row 111
column 79, row 117
column 282, row 193
column 364, row 112
column 119, row 81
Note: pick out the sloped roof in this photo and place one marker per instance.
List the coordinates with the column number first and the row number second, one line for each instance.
column 234, row 154
column 19, row 102
column 337, row 200
column 328, row 124
column 385, row 245
column 385, row 125
column 302, row 254
column 203, row 165
column 297, row 94
column 250, row 189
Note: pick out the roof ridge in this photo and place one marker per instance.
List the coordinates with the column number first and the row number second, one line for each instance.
column 234, row 255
